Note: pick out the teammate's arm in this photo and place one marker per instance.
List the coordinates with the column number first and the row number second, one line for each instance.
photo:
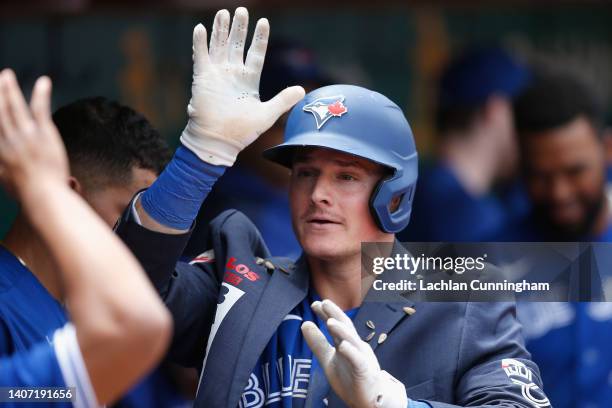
column 122, row 329
column 225, row 116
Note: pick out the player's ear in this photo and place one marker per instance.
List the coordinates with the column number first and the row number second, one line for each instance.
column 75, row 185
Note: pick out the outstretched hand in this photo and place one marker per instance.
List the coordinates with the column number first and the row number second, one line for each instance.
column 350, row 365
column 31, row 149
column 225, row 112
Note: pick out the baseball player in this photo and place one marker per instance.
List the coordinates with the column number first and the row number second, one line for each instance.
column 256, row 326
column 119, row 329
column 113, row 152
column 476, row 152
column 561, row 137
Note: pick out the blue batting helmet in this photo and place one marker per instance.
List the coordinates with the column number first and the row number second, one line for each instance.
column 363, row 123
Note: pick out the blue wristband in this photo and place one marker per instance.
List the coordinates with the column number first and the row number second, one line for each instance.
column 175, row 198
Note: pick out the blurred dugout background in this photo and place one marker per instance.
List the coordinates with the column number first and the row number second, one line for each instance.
column 139, row 52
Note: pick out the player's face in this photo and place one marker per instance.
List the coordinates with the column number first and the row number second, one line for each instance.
column 565, row 174
column 110, row 201
column 329, row 195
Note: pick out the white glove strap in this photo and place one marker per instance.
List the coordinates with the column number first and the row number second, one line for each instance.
column 210, row 147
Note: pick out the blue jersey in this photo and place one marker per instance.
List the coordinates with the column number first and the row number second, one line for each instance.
column 35, row 368
column 570, row 342
column 282, row 374
column 444, row 211
column 29, row 315
column 49, row 364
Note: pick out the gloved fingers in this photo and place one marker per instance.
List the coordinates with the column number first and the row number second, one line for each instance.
column 200, row 49
column 318, row 343
column 237, row 35
column 281, row 103
column 354, row 357
column 218, row 37
column 341, row 332
column 257, row 50
column 317, row 307
column 333, row 310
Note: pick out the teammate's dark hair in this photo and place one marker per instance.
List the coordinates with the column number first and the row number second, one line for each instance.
column 553, row 99
column 105, row 140
column 469, row 81
column 455, row 118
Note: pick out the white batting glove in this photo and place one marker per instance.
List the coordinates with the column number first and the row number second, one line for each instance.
column 351, row 367
column 225, row 113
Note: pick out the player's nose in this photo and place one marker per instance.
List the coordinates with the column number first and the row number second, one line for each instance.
column 321, row 191
column 560, row 191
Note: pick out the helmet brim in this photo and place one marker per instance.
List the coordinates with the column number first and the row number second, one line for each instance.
column 284, row 154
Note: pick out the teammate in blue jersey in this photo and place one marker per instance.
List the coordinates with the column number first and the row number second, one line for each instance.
column 113, row 152
column 119, row 329
column 561, row 139
column 476, row 153
column 254, row 324
column 559, row 122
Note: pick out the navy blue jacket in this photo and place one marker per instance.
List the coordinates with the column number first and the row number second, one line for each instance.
column 226, row 307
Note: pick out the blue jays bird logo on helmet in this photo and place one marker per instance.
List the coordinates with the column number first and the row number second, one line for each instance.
column 323, row 109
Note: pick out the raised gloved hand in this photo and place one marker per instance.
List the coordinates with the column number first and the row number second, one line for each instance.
column 351, row 366
column 225, row 113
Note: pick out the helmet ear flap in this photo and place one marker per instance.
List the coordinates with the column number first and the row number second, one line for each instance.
column 388, row 219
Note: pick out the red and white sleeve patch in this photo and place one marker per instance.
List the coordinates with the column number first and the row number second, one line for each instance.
column 204, row 257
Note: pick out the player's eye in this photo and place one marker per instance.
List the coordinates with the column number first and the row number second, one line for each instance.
column 347, row 177
column 301, row 173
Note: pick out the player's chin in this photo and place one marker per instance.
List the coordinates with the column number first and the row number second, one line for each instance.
column 323, row 247
column 324, row 254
